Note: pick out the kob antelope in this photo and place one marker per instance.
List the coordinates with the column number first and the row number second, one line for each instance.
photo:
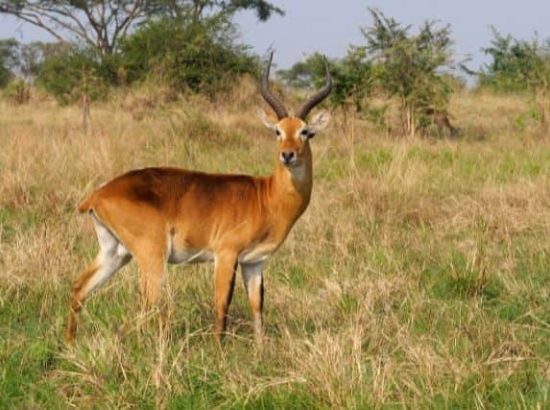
column 172, row 215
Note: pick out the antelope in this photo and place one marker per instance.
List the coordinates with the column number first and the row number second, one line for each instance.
column 172, row 215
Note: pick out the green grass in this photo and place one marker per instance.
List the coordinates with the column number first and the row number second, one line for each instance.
column 417, row 278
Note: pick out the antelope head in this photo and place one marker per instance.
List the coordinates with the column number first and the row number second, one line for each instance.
column 292, row 131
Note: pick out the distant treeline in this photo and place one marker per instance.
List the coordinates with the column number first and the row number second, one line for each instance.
column 192, row 46
column 200, row 57
column 189, row 45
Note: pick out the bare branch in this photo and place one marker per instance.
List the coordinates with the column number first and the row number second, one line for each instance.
column 36, row 21
column 99, row 23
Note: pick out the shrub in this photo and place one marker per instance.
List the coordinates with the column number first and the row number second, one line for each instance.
column 72, row 72
column 516, row 65
column 5, row 75
column 199, row 56
column 351, row 76
column 520, row 66
column 17, row 92
column 409, row 67
column 8, row 59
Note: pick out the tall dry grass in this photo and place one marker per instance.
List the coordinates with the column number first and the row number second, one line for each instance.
column 418, row 277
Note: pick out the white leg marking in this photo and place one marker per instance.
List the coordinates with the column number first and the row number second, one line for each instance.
column 112, row 256
column 252, row 276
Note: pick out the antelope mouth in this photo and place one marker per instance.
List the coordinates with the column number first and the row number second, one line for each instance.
column 290, row 162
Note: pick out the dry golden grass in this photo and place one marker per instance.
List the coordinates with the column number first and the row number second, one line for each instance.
column 417, row 278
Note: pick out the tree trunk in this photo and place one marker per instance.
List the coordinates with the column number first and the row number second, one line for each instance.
column 543, row 103
column 85, row 107
column 410, row 123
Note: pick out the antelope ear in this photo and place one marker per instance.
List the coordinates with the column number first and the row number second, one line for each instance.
column 319, row 121
column 269, row 119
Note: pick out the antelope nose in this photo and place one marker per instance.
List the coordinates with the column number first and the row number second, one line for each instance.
column 288, row 156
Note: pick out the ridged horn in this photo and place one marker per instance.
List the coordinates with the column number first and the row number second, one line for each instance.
column 273, row 102
column 318, row 97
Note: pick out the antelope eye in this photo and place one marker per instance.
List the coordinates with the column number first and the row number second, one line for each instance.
column 278, row 133
column 305, row 132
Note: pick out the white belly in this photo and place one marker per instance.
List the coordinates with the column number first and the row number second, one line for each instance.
column 253, row 254
column 257, row 253
column 190, row 256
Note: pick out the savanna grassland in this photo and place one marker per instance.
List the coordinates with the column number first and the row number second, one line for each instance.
column 419, row 277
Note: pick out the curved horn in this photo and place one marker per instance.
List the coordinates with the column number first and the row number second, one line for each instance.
column 273, row 102
column 318, row 97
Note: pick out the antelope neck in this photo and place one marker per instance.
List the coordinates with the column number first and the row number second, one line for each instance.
column 289, row 188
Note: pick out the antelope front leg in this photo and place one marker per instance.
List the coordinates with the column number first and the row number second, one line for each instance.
column 253, row 283
column 225, row 266
column 152, row 270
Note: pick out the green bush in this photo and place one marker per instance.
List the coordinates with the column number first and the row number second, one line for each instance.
column 72, row 72
column 516, row 65
column 17, row 92
column 409, row 67
column 351, row 76
column 520, row 66
column 5, row 75
column 8, row 57
column 198, row 56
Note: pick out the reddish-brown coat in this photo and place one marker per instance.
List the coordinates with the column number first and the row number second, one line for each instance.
column 158, row 212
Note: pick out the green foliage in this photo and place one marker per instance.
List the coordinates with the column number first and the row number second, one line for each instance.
column 69, row 73
column 409, row 66
column 520, row 66
column 198, row 9
column 394, row 62
column 32, row 55
column 516, row 65
column 186, row 44
column 101, row 24
column 195, row 56
column 186, row 55
column 5, row 75
column 8, row 58
column 351, row 76
column 301, row 74
column 25, row 59
column 17, row 92
column 454, row 81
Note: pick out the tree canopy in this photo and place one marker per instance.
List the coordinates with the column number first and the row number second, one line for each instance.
column 101, row 23
column 516, row 65
column 410, row 67
column 8, row 60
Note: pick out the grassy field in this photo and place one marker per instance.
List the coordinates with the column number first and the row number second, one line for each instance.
column 419, row 277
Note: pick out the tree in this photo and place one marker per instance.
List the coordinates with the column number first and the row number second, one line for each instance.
column 516, row 65
column 352, row 76
column 101, row 23
column 98, row 24
column 196, row 10
column 198, row 56
column 31, row 57
column 71, row 72
column 8, row 60
column 519, row 65
column 410, row 67
column 413, row 68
